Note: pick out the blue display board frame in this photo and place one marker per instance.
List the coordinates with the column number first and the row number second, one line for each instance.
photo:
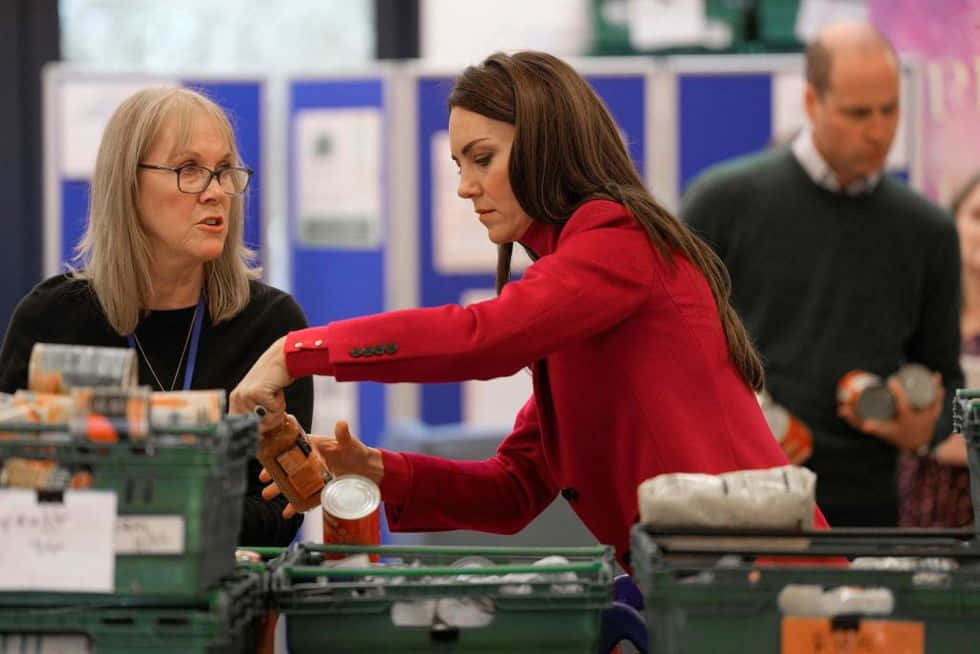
column 334, row 283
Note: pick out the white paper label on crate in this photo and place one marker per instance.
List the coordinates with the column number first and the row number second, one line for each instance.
column 22, row 643
column 150, row 534
column 62, row 545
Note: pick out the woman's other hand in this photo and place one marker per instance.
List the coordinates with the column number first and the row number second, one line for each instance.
column 343, row 453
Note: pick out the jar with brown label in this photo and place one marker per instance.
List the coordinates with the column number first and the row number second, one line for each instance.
column 294, row 464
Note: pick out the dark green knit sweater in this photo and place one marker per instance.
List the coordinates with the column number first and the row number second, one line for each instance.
column 828, row 283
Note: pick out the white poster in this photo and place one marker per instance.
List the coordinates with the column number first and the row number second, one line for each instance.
column 85, row 106
column 495, row 402
column 333, row 401
column 338, row 172
column 461, row 244
column 664, row 23
column 62, row 545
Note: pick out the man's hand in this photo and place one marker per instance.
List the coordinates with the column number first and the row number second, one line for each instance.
column 952, row 451
column 911, row 428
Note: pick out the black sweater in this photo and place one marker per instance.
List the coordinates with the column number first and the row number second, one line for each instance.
column 828, row 283
column 62, row 310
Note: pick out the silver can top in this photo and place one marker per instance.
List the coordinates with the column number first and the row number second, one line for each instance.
column 350, row 497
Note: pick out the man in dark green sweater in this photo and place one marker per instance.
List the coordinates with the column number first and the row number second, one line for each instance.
column 836, row 267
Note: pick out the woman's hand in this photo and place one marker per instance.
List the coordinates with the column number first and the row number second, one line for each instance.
column 343, row 453
column 262, row 386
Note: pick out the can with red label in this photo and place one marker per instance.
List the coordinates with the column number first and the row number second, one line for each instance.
column 867, row 394
column 351, row 512
column 794, row 437
column 57, row 368
column 108, row 413
column 172, row 410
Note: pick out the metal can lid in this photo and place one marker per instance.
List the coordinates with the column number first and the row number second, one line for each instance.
column 350, row 497
column 876, row 403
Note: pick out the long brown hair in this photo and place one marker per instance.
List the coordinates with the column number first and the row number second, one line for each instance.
column 567, row 150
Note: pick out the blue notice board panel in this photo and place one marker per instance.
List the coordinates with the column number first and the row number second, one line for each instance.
column 243, row 102
column 331, row 279
column 721, row 116
column 624, row 94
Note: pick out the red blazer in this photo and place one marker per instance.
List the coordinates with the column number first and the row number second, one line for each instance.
column 632, row 378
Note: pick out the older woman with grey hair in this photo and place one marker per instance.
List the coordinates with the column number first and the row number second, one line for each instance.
column 163, row 268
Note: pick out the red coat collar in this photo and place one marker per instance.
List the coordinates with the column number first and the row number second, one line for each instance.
column 541, row 238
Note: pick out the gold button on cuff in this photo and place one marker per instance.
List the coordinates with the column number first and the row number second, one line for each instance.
column 299, row 345
column 318, row 342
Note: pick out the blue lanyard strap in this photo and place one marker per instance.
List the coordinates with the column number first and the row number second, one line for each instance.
column 195, row 339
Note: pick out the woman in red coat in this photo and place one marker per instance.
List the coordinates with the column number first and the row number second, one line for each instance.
column 640, row 364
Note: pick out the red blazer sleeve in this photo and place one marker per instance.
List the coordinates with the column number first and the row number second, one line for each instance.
column 502, row 494
column 600, row 273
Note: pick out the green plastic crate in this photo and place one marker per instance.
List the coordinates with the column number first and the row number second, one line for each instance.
column 966, row 420
column 223, row 620
column 707, row 596
column 202, row 481
column 350, row 610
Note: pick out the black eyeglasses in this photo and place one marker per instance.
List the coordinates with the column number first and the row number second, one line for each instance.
column 193, row 179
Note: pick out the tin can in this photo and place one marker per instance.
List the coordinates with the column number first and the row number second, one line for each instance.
column 917, row 382
column 40, row 474
column 351, row 512
column 794, row 437
column 49, row 408
column 175, row 409
column 107, row 414
column 867, row 394
column 13, row 413
column 57, row 368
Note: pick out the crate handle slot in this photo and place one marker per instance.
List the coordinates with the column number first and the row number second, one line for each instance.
column 52, row 496
column 443, row 634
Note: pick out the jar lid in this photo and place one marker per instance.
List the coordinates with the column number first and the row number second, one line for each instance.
column 350, row 497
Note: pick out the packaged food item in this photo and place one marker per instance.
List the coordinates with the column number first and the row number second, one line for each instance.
column 42, row 474
column 351, row 512
column 108, row 414
column 57, row 367
column 871, row 399
column 294, row 465
column 794, row 437
column 917, row 382
column 171, row 410
column 867, row 394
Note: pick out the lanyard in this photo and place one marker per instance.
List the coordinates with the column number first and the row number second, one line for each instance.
column 195, row 338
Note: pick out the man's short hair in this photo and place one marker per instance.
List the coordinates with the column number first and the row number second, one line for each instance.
column 819, row 58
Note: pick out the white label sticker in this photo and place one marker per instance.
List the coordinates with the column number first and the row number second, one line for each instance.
column 150, row 534
column 63, row 543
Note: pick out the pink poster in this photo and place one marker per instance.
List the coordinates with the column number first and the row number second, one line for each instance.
column 944, row 35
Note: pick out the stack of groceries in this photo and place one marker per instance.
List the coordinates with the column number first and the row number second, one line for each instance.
column 79, row 394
